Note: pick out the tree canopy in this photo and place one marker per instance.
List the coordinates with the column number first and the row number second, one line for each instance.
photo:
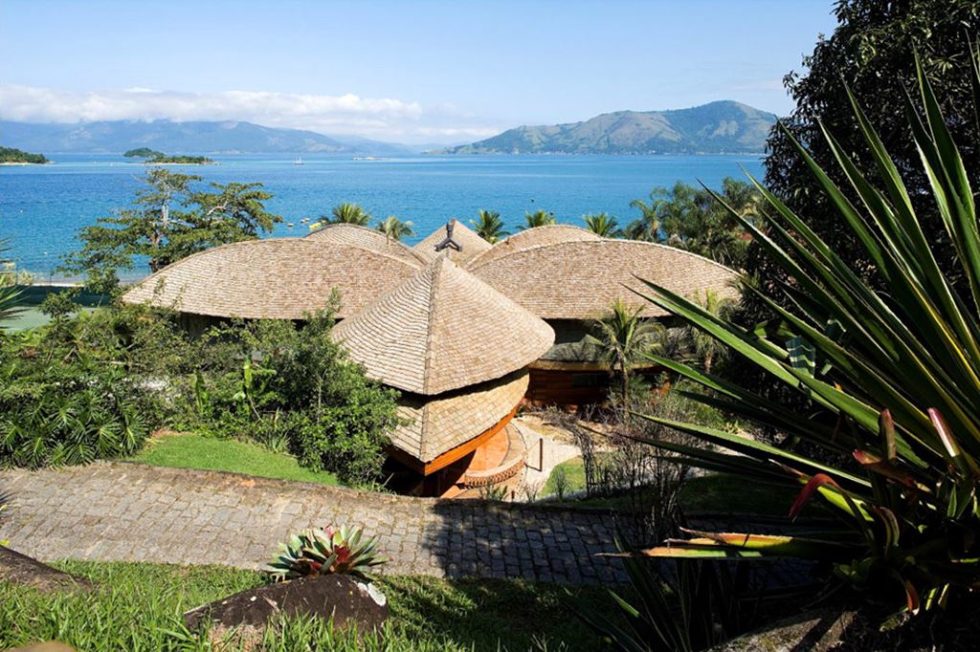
column 169, row 220
column 873, row 49
column 691, row 218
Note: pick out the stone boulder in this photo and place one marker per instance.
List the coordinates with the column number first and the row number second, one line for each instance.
column 348, row 601
column 21, row 569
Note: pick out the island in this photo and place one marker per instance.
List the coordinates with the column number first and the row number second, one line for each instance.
column 153, row 157
column 11, row 156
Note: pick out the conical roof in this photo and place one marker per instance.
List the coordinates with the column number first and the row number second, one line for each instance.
column 441, row 330
column 470, row 244
column 433, row 426
column 366, row 238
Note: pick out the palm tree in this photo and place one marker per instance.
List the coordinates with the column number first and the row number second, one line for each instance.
column 489, row 226
column 603, row 225
column 706, row 349
column 538, row 218
column 347, row 213
column 623, row 337
column 651, row 221
column 395, row 229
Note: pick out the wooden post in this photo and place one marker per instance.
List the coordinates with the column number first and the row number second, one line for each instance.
column 541, row 454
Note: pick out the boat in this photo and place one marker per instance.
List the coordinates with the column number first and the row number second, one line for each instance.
column 298, row 161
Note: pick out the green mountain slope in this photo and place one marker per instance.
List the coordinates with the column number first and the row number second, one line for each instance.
column 718, row 127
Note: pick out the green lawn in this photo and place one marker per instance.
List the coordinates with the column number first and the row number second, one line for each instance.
column 190, row 451
column 714, row 492
column 137, row 607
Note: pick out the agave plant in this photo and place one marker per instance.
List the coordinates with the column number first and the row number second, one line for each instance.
column 892, row 376
column 323, row 551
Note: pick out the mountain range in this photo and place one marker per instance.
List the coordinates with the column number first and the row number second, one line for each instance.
column 718, row 127
column 723, row 127
column 199, row 137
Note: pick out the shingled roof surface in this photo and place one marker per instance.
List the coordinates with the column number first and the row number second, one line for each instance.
column 437, row 425
column 367, row 238
column 278, row 278
column 471, row 244
column 580, row 280
column 442, row 330
column 534, row 237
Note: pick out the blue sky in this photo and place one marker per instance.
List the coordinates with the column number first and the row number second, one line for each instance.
column 403, row 71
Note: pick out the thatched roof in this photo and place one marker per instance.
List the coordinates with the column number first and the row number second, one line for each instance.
column 366, row 238
column 470, row 243
column 278, row 278
column 441, row 424
column 442, row 330
column 581, row 280
column 534, row 237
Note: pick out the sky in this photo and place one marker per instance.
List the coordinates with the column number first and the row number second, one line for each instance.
column 414, row 72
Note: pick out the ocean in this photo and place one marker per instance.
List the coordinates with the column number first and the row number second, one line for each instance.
column 42, row 207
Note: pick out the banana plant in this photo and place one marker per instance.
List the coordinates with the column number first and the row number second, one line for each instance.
column 892, row 375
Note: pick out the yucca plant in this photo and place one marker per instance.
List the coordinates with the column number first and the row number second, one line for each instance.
column 892, row 376
column 323, row 551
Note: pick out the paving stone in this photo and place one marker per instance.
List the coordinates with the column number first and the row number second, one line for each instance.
column 108, row 507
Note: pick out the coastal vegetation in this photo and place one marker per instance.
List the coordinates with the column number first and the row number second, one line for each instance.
column 538, row 218
column 395, row 228
column 171, row 218
column 12, row 155
column 489, row 226
column 153, row 157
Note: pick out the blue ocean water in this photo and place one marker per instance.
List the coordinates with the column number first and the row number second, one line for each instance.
column 42, row 207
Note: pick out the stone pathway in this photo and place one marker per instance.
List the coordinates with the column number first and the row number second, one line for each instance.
column 131, row 512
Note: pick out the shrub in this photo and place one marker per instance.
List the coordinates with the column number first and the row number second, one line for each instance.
column 324, row 551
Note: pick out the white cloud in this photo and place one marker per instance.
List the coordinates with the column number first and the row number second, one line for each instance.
column 384, row 118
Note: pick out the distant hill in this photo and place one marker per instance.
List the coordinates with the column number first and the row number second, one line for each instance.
column 718, row 127
column 229, row 137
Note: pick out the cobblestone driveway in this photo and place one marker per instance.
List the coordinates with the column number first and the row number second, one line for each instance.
column 131, row 512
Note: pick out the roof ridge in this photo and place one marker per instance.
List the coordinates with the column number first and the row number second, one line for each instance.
column 434, row 269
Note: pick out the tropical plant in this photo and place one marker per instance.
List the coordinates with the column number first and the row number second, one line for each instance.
column 489, row 226
column 168, row 221
column 347, row 213
column 689, row 218
column 538, row 218
column 602, row 225
column 705, row 349
column 9, row 294
column 871, row 48
column 325, row 551
column 892, row 378
column 624, row 337
column 395, row 229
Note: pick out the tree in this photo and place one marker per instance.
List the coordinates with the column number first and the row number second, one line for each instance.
column 489, row 226
column 705, row 349
column 873, row 50
column 169, row 220
column 603, row 225
column 689, row 218
column 623, row 337
column 395, row 229
column 347, row 213
column 538, row 218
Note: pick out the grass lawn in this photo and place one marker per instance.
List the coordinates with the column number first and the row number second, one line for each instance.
column 190, row 451
column 137, row 607
column 715, row 492
column 29, row 317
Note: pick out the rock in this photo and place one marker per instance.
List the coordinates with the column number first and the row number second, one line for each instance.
column 814, row 631
column 21, row 569
column 344, row 599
